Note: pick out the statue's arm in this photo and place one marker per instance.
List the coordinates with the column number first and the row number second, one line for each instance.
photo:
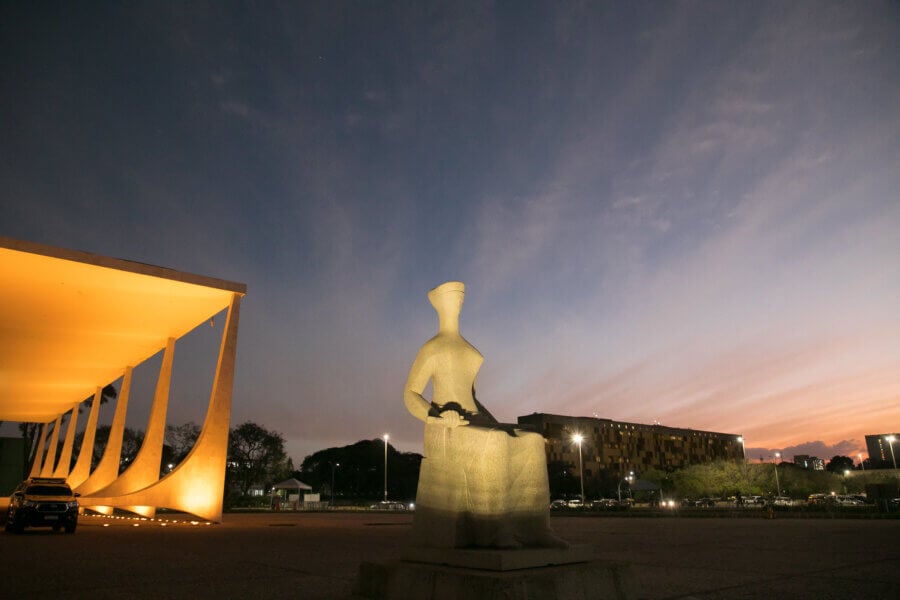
column 419, row 374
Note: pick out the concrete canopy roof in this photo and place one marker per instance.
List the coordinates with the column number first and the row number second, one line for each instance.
column 72, row 321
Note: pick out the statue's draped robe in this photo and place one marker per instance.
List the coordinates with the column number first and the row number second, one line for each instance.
column 481, row 487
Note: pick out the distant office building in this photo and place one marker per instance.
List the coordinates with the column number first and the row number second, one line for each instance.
column 811, row 463
column 880, row 449
column 621, row 447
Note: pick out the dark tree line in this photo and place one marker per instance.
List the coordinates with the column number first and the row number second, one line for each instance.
column 565, row 482
column 720, row 479
column 358, row 472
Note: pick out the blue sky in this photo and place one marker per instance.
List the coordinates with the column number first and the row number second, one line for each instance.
column 680, row 212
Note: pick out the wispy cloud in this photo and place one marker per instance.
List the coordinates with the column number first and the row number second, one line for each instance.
column 684, row 213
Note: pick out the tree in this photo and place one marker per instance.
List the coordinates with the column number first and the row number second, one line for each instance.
column 661, row 478
column 256, row 456
column 132, row 439
column 562, row 478
column 358, row 471
column 180, row 440
column 106, row 394
column 839, row 464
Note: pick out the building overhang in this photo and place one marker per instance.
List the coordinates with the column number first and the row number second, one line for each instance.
column 71, row 321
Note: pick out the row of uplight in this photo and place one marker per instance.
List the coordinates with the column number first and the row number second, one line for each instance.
column 148, row 520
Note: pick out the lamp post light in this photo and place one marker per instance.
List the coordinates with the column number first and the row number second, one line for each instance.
column 890, row 440
column 846, row 475
column 743, row 450
column 862, row 465
column 777, row 485
column 333, row 465
column 385, row 437
column 578, row 438
column 629, row 479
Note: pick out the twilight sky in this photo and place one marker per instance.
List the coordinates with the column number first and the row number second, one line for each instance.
column 679, row 212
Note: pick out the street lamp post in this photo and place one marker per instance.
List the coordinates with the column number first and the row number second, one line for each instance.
column 890, row 440
column 333, row 465
column 862, row 465
column 743, row 450
column 578, row 438
column 386, row 437
column 629, row 479
column 777, row 485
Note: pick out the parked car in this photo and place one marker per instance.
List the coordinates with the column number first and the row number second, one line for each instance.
column 707, row 502
column 818, row 499
column 42, row 502
column 842, row 500
column 605, row 503
column 575, row 503
column 782, row 501
column 391, row 505
column 558, row 504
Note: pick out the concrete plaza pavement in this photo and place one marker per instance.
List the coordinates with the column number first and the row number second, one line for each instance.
column 317, row 555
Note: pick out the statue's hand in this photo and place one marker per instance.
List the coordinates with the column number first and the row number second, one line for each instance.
column 448, row 418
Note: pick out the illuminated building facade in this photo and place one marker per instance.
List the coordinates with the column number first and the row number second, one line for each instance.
column 619, row 447
column 880, row 449
column 810, row 463
column 73, row 322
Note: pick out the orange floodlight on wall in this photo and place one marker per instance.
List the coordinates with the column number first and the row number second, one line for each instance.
column 72, row 322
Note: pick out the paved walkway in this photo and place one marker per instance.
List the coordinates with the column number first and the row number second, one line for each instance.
column 316, row 556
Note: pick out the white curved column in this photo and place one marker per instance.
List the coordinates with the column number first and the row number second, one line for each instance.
column 38, row 461
column 50, row 460
column 197, row 484
column 108, row 468
column 145, row 467
column 65, row 459
column 82, row 467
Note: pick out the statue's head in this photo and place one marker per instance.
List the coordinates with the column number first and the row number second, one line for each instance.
column 447, row 296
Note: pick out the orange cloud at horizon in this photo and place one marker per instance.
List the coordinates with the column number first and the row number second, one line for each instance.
column 775, row 395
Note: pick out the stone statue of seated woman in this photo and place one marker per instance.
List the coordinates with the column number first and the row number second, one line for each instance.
column 481, row 483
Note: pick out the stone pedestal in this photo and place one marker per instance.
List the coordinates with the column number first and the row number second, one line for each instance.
column 529, row 574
